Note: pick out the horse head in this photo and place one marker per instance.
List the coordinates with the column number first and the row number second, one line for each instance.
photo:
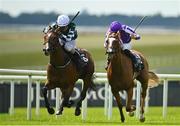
column 51, row 42
column 113, row 44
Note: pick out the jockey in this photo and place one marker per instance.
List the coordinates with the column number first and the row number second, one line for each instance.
column 126, row 34
column 67, row 36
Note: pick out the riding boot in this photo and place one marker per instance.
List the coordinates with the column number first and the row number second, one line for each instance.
column 136, row 61
column 78, row 61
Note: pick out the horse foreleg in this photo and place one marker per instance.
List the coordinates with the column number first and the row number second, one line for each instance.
column 82, row 97
column 143, row 95
column 118, row 100
column 129, row 107
column 44, row 92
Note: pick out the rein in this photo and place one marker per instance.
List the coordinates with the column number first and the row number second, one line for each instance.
column 61, row 66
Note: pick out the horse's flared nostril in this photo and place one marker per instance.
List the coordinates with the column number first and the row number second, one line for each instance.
column 109, row 50
column 46, row 53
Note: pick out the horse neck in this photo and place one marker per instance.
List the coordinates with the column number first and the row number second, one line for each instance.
column 117, row 63
column 58, row 58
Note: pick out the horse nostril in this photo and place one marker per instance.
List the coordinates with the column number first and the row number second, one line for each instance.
column 46, row 53
column 110, row 50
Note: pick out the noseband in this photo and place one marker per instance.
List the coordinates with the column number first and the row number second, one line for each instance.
column 50, row 42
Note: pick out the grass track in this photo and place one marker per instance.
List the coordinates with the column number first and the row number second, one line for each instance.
column 95, row 116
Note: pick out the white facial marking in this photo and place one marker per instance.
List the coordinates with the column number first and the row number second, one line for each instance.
column 110, row 42
column 46, row 45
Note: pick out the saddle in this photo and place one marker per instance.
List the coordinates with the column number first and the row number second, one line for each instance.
column 81, row 62
column 140, row 65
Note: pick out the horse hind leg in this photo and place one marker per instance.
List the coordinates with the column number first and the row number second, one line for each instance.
column 82, row 97
column 44, row 92
column 63, row 103
column 65, row 100
column 60, row 110
column 143, row 96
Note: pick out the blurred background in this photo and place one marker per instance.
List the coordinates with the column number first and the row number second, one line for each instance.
column 22, row 23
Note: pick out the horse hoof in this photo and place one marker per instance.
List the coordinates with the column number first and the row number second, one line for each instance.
column 131, row 114
column 122, row 120
column 51, row 111
column 142, row 119
column 133, row 107
column 59, row 113
column 77, row 112
column 70, row 103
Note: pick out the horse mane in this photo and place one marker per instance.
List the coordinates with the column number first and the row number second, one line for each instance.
column 115, row 35
column 51, row 35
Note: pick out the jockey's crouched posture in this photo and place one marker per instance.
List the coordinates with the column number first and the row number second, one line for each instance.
column 67, row 36
column 126, row 34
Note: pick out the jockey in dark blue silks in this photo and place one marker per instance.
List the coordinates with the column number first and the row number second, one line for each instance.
column 67, row 36
column 126, row 35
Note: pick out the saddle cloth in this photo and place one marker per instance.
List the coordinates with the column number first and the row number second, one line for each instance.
column 82, row 55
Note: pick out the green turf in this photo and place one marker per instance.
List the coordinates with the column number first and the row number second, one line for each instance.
column 95, row 116
column 23, row 50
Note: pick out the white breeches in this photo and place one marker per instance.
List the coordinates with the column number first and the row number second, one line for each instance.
column 69, row 46
column 127, row 46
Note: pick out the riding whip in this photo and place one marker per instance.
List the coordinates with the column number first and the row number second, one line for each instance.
column 140, row 22
column 75, row 16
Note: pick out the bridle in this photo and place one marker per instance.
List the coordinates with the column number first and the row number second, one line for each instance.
column 113, row 44
column 52, row 44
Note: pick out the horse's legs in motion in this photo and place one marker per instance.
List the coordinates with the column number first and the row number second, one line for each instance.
column 87, row 83
column 118, row 100
column 66, row 93
column 143, row 95
column 44, row 92
column 129, row 107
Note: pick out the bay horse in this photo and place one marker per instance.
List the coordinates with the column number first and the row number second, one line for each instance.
column 121, row 75
column 62, row 73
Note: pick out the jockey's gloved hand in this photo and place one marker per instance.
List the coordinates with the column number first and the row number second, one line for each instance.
column 137, row 37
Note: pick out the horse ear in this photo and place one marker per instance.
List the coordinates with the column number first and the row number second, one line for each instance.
column 118, row 33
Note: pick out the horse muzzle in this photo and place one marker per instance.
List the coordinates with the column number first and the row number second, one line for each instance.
column 110, row 51
column 46, row 52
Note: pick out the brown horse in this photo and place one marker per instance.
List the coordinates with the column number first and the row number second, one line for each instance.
column 62, row 73
column 121, row 75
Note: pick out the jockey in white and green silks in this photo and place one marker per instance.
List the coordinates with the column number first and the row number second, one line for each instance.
column 67, row 36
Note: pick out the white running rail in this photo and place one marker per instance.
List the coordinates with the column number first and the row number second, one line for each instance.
column 13, row 75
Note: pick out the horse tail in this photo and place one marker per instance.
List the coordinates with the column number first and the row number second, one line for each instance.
column 153, row 79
